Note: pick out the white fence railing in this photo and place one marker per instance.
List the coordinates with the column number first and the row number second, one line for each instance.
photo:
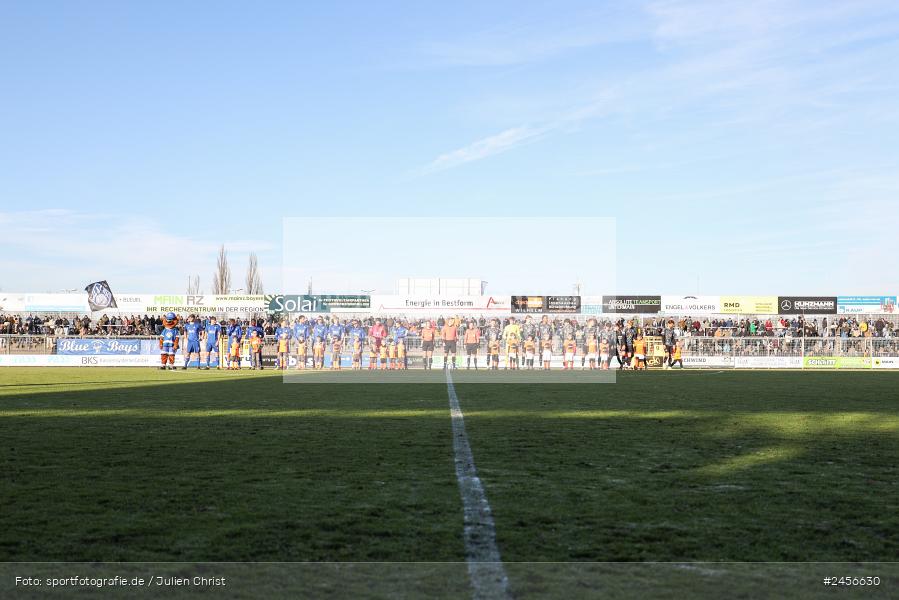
column 759, row 346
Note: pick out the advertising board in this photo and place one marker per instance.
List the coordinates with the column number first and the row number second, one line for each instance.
column 749, row 305
column 394, row 304
column 886, row 362
column 321, row 303
column 709, row 362
column 878, row 305
column 807, row 305
column 836, row 362
column 691, row 305
column 72, row 360
column 546, row 304
column 631, row 304
column 768, row 362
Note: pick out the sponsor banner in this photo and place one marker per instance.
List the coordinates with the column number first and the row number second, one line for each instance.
column 204, row 304
column 877, row 305
column 691, row 305
column 133, row 304
column 836, row 362
column 749, row 305
column 631, row 304
column 655, row 362
column 709, row 361
column 546, row 304
column 388, row 305
column 886, row 362
column 44, row 303
column 70, row 360
column 79, row 346
column 768, row 362
column 807, row 305
column 306, row 303
column 591, row 305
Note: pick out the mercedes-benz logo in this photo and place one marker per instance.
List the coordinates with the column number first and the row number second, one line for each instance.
column 786, row 305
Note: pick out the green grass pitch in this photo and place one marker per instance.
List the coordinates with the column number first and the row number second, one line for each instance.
column 141, row 465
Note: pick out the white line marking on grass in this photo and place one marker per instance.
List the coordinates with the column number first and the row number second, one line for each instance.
column 485, row 567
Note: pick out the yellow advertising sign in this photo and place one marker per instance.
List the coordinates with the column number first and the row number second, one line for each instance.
column 749, row 305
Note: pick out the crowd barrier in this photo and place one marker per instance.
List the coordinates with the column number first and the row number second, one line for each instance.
column 698, row 352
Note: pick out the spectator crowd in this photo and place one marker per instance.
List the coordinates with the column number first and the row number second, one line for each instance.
column 717, row 327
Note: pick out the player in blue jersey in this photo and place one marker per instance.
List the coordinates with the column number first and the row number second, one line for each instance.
column 335, row 331
column 357, row 332
column 301, row 333
column 192, row 329
column 254, row 327
column 301, row 329
column 400, row 333
column 213, row 332
column 320, row 330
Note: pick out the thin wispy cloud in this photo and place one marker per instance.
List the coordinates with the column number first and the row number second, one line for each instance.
column 741, row 65
column 484, row 148
column 514, row 137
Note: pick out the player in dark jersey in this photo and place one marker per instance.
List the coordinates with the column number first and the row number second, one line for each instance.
column 611, row 340
column 669, row 338
column 630, row 336
column 589, row 337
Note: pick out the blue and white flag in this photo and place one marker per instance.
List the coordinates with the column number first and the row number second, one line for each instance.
column 99, row 296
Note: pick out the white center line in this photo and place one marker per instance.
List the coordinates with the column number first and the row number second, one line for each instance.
column 485, row 567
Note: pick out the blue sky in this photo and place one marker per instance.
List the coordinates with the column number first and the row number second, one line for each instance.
column 742, row 147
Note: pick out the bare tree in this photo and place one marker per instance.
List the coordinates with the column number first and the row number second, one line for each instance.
column 254, row 278
column 221, row 279
column 193, row 286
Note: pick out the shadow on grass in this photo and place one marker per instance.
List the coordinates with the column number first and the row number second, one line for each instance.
column 102, row 485
column 739, row 467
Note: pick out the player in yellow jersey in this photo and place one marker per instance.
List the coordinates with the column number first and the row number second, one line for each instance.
column 372, row 355
column 384, row 356
column 604, row 354
column 391, row 354
column 401, row 355
column 282, row 353
column 530, row 347
column 318, row 354
column 591, row 352
column 493, row 354
column 302, row 353
column 676, row 357
column 512, row 351
column 547, row 354
column 570, row 349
